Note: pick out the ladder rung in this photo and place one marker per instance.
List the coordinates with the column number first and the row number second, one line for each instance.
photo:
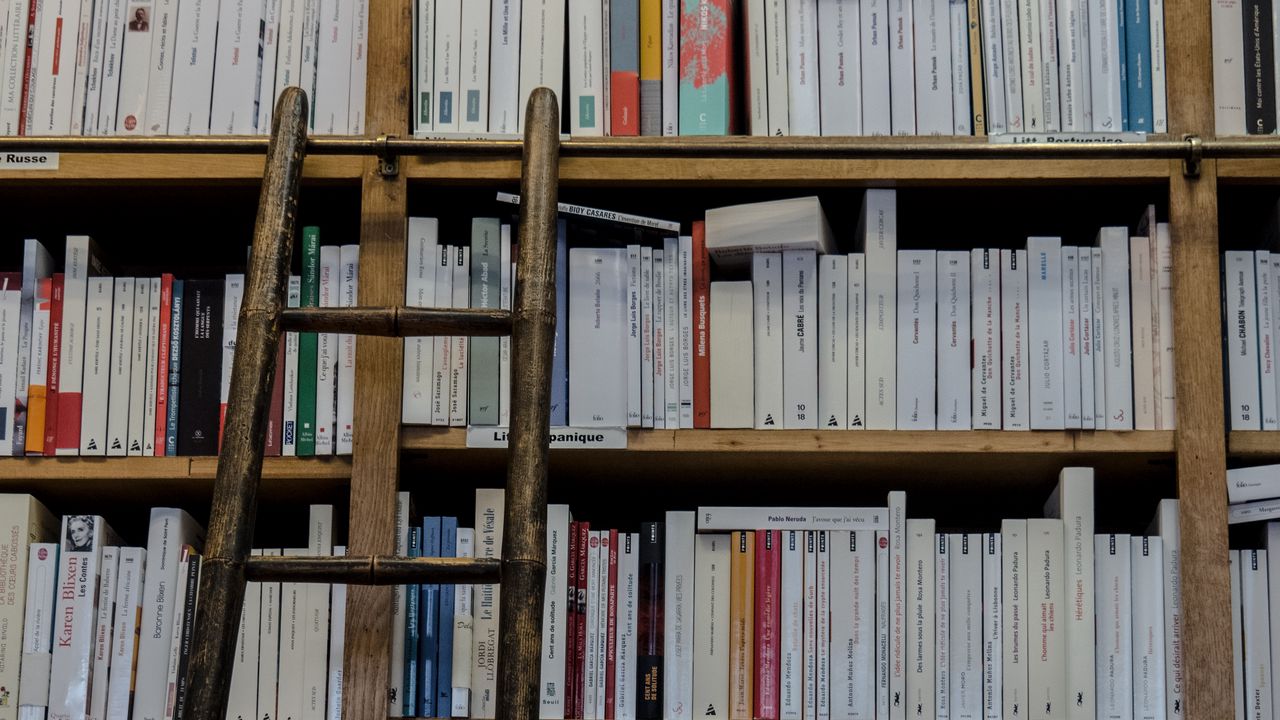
column 375, row 570
column 397, row 321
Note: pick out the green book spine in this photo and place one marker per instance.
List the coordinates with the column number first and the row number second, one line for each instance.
column 308, row 352
column 486, row 283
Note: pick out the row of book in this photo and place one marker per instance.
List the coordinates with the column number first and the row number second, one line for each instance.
column 772, row 613
column 92, row 364
column 1255, row 627
column 845, row 67
column 1052, row 336
column 1250, row 316
column 1245, row 66
column 179, row 67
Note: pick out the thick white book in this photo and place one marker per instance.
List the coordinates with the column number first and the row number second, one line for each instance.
column 442, row 345
column 1237, row 639
column 289, row 435
column 310, row 43
column 1162, row 260
column 488, row 524
column 756, row 84
column 194, row 45
column 25, row 521
column 933, row 67
column 791, row 627
column 233, row 295
column 171, row 529
column 337, row 632
column 992, row 626
column 505, row 294
column 555, row 615
column 671, row 321
column 1114, row 627
column 660, row 338
column 398, row 608
column 1011, row 60
column 942, row 623
column 1228, row 61
column 1014, row 340
column 504, row 50
column 100, row 643
column 49, row 110
column 127, row 611
column 13, row 45
column 315, row 669
column 140, row 343
column 684, row 291
column 884, row 654
column 917, row 334
column 1106, row 64
column 626, row 636
column 348, row 291
column 962, row 110
column 1253, row 483
column 419, row 291
column 10, row 339
column 1072, row 502
column 1159, row 93
column 1044, row 332
column 1147, row 562
column 38, row 629
column 1071, row 342
column 853, row 625
column 586, row 67
column 242, row 699
column 463, row 633
column 269, row 631
column 597, row 337
column 1049, row 42
column 1013, row 545
column 153, row 342
column 333, row 68
column 233, row 110
column 164, row 20
column 839, row 67
column 1116, row 327
column 1173, row 631
column 728, row 518
column 711, row 625
column 898, row 619
column 1099, row 349
column 1255, row 624
column 805, row 116
column 1047, row 669
column 776, row 70
column 647, row 327
column 1031, row 64
column 833, row 341
column 542, row 43
column 1143, row 351
column 921, row 652
column 987, row 392
column 732, row 357
column 135, row 69
column 800, row 356
column 954, row 341
column 876, row 107
column 326, row 353
column 265, row 90
column 97, row 366
column 81, row 264
column 994, row 80
column 856, row 382
column 1253, row 511
column 473, row 64
column 1166, row 525
column 634, row 404
column 1085, row 335
column 902, row 94
column 877, row 237
column 678, row 618
column 84, row 538
column 767, row 319
column 358, row 85
column 95, row 36
column 590, row 678
column 448, row 66
column 966, row 627
column 293, row 648
column 122, row 347
column 459, row 344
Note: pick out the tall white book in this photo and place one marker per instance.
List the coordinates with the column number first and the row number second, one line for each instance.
column 992, row 626
column 883, row 614
column 1173, row 631
column 984, row 270
column 1047, row 669
column 902, row 91
column 898, row 619
column 1099, row 351
column 292, row 645
column 442, row 345
column 97, row 366
column 240, row 38
column 1049, row 49
column 646, row 336
column 711, row 625
column 933, row 67
column 122, row 347
column 732, row 359
column 1071, row 342
column 358, row 86
column 107, row 21
column 504, row 49
column 447, row 64
column 791, row 646
column 1116, row 327
column 1013, row 545
column 1106, row 63
column 853, row 625
column 330, row 111
column 266, row 85
column 1163, row 271
column 315, row 668
column 542, row 42
column 1114, row 627
column 634, row 404
column 164, row 19
column 993, row 77
column 337, row 632
column 1237, row 639
column 597, row 337
column 269, row 646
column 1147, row 562
column 81, row 264
column 424, row 72
column 463, row 635
column 13, row 45
column 555, row 615
column 767, row 318
column 125, row 632
column 348, row 291
column 920, row 642
column 473, row 89
column 943, row 543
column 1014, row 341
column 194, row 45
column 856, row 405
column 800, row 356
column 420, row 286
column 590, row 678
column 51, row 94
column 1086, row 340
column 954, row 341
column 966, row 555
column 877, row 237
column 803, row 67
column 1072, row 502
column 460, row 289
column 586, row 63
column 147, row 430
column 917, row 334
column 876, row 106
column 833, row 341
column 809, row 682
column 840, row 67
column 38, row 629
column 242, row 699
column 1044, row 332
column 671, row 322
column 962, row 110
column 680, row 589
column 1142, row 337
column 488, row 528
column 1255, row 625
column 823, row 625
column 327, row 352
column 80, row 567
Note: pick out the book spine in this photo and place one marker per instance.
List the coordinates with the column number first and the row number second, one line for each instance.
column 1143, row 342
column 1113, row 627
column 591, row 689
column 1137, row 43
column 232, row 295
column 160, row 78
column 933, row 84
column 124, row 633
column 1073, row 503
column 308, row 345
column 810, row 681
column 412, row 633
column 442, row 345
column 508, row 275
column 1016, row 354
column 122, row 351
column 269, row 646
column 823, row 587
column 183, row 636
column 966, row 64
column 987, row 331
column 853, row 625
column 839, row 61
column 635, row 408
column 673, row 282
column 609, row 643
column 706, row 99
column 624, row 67
column 463, row 633
column 460, row 348
column 581, row 561
column 194, row 420
column 37, row 384
column 97, row 367
column 628, row 576
column 399, row 611
column 883, row 615
column 54, row 371
column 170, row 531
column 348, row 293
column 649, row 648
column 37, row 629
column 195, row 43
column 486, row 256
column 327, row 352
column 235, row 94
column 289, row 403
column 1163, row 268
column 766, row 630
column 856, row 406
column 560, row 352
column 1031, row 65
column 1049, row 41
column 804, row 109
column 945, row 546
column 586, row 58
column 80, row 265
column 163, row 348
column 331, row 111
column 1011, row 64
column 791, row 636
column 139, row 351
column 897, row 619
column 741, row 626
column 100, row 649
column 1116, row 328
column 878, row 233
column 473, row 89
column 966, row 627
column 428, row 624
column 711, row 626
column 921, row 690
column 36, row 267
column 424, row 54
column 833, row 341
column 701, row 279
column 14, row 67
column 75, row 612
column 799, row 308
column 768, row 351
column 489, row 516
column 917, row 357
column 1043, row 275
column 270, row 47
column 554, row 686
column 992, row 627
column 1013, row 544
column 1047, row 671
column 954, row 341
column 777, row 69
column 1105, row 63
column 597, row 330
column 1071, row 337
column 991, row 46
column 1147, row 560
column 10, row 338
column 647, row 329
column 753, row 27
column 147, row 431
column 337, row 645
column 901, row 67
column 1086, row 339
column 678, row 616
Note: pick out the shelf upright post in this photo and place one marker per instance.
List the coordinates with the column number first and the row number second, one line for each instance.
column 1200, row 441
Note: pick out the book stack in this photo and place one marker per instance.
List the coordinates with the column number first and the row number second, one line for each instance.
column 1048, row 336
column 1253, row 494
column 773, row 612
column 803, row 67
column 179, row 67
column 92, row 364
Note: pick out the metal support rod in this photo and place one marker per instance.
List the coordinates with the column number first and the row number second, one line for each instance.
column 235, row 492
column 524, row 533
column 372, row 570
column 396, row 321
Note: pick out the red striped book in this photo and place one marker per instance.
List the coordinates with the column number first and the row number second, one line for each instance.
column 768, row 622
column 584, row 535
column 55, row 359
column 162, row 362
column 275, row 412
column 611, row 630
column 702, row 328
column 573, row 684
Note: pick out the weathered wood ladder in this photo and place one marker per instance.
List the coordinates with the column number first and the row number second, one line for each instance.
column 227, row 564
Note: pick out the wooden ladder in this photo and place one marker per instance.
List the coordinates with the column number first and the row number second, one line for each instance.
column 227, row 564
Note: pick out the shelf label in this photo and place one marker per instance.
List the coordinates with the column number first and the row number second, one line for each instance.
column 562, row 438
column 1102, row 138
column 28, row 161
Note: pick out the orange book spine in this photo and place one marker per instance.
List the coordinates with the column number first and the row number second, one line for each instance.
column 742, row 626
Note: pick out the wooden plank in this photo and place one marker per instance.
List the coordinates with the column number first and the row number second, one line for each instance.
column 1253, row 444
column 163, row 468
column 189, row 169
column 1157, row 441
column 1256, row 170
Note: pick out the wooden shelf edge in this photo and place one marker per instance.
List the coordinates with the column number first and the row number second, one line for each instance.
column 166, row 468
column 180, row 168
column 1253, row 443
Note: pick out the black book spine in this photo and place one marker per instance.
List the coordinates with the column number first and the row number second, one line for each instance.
column 1259, row 68
column 201, row 367
column 188, row 633
column 649, row 633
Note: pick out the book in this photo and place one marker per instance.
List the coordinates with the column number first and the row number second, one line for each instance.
column 327, row 351
column 1047, row 669
column 625, row 643
column 839, row 68
column 684, row 291
column 767, row 314
column 1255, row 623
column 38, row 629
column 992, row 626
column 555, row 613
column 649, row 647
column 1085, row 337
column 954, row 341
column 37, row 266
column 337, row 647
column 833, row 341
column 344, row 432
column 488, row 523
column 308, row 345
column 1165, row 524
column 921, row 650
column 707, row 90
column 1114, row 626
column 1116, row 327
column 732, row 397
column 1015, row 659
column 987, row 331
column 853, row 624
column 242, row 698
column 269, row 646
column 624, row 67
column 876, row 236
column 585, row 42
column 728, row 518
column 944, row 544
column 463, row 633
column 897, row 610
column 1044, row 333
column 542, row 43
column 198, row 412
column 1237, row 640
column 100, row 644
column 766, row 630
column 1014, row 344
column 967, row 666
column 741, row 624
column 170, row 412
column 1072, row 502
column 597, row 332
column 25, row 521
column 125, row 632
column 483, row 351
column 80, row 563
column 917, row 337
column 735, row 233
column 123, row 325
column 799, row 357
column 711, row 625
column 1147, row 562
column 679, row 588
column 82, row 262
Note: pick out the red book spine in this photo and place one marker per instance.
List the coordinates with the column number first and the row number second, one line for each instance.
column 162, row 362
column 584, row 535
column 702, row 328
column 624, row 102
column 768, row 622
column 28, row 78
column 611, row 630
column 572, row 686
column 55, row 359
column 275, row 413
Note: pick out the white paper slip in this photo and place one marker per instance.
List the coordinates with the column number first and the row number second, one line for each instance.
column 727, row 518
column 29, row 161
column 595, row 438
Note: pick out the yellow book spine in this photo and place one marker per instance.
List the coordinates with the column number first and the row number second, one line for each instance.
column 651, row 40
column 741, row 625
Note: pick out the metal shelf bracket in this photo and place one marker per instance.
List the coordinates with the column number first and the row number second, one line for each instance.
column 1195, row 154
column 388, row 161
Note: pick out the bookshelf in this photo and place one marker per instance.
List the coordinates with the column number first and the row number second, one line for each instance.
column 387, row 456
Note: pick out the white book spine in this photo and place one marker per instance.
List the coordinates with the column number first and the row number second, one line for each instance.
column 1106, row 62
column 671, row 321
column 810, row 629
column 962, row 111
column 555, row 614
column 1047, row 670
column 823, row 587
column 164, row 19
column 141, row 341
column 647, row 326
column 424, row 54
column 791, row 645
column 505, row 293
column 269, row 633
column 442, row 345
column 459, row 344
column 1163, row 262
column 327, row 352
column 1049, row 42
column 800, row 356
column 358, row 85
column 420, row 289
column 1044, row 332
column 628, row 621
column 1072, row 502
column 598, row 337
column 447, row 64
column 921, row 650
column 992, row 627
column 917, row 334
column 333, row 68
column 984, row 270
column 399, row 598
column 590, row 682
column 1143, row 350
column 463, row 646
column 1237, row 639
column 1013, row 542
column 1099, row 349
column 1012, row 64
column 902, row 95
column 876, row 107
column 1159, row 93
column 897, row 504
column 265, row 89
column 1084, row 91
column 878, row 235
column 292, row 644
column 153, row 340
column 994, row 80
column 1167, row 524
column 634, row 364
column 852, row 692
column 315, row 670
column 966, row 627
column 586, row 67
column 884, row 656
column 232, row 295
column 802, row 67
column 933, row 67
column 766, row 276
column 602, row 625
column 122, row 351
column 660, row 339
column 711, row 626
column 1031, row 60
column 856, row 404
column 289, row 435
column 1114, row 623
column 833, row 341
column 1116, row 333
column 348, row 291
column 13, row 46
column 125, row 631
column 756, row 79
column 75, row 615
column 37, row 629
column 171, row 529
column 943, row 546
column 1147, row 561
column 954, row 341
column 840, row 71
column 685, row 291
column 1084, row 294
column 310, row 43
column 1228, row 59
column 504, row 48
column 242, row 699
column 100, row 650
column 337, row 631
column 678, row 617
column 776, row 68
column 10, row 333
column 473, row 90
column 240, row 38
column 1071, row 336
column 194, row 46
column 1015, row 355
column 488, row 523
column 89, row 91
column 75, row 297
column 52, row 93
column 541, row 52
column 97, row 366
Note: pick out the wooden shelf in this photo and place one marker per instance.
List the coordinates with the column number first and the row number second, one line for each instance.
column 1253, row 444
column 88, row 168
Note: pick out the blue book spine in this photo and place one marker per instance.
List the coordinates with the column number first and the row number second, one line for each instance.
column 175, row 374
column 411, row 632
column 560, row 353
column 1137, row 45
column 429, row 617
column 1122, row 20
column 444, row 633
